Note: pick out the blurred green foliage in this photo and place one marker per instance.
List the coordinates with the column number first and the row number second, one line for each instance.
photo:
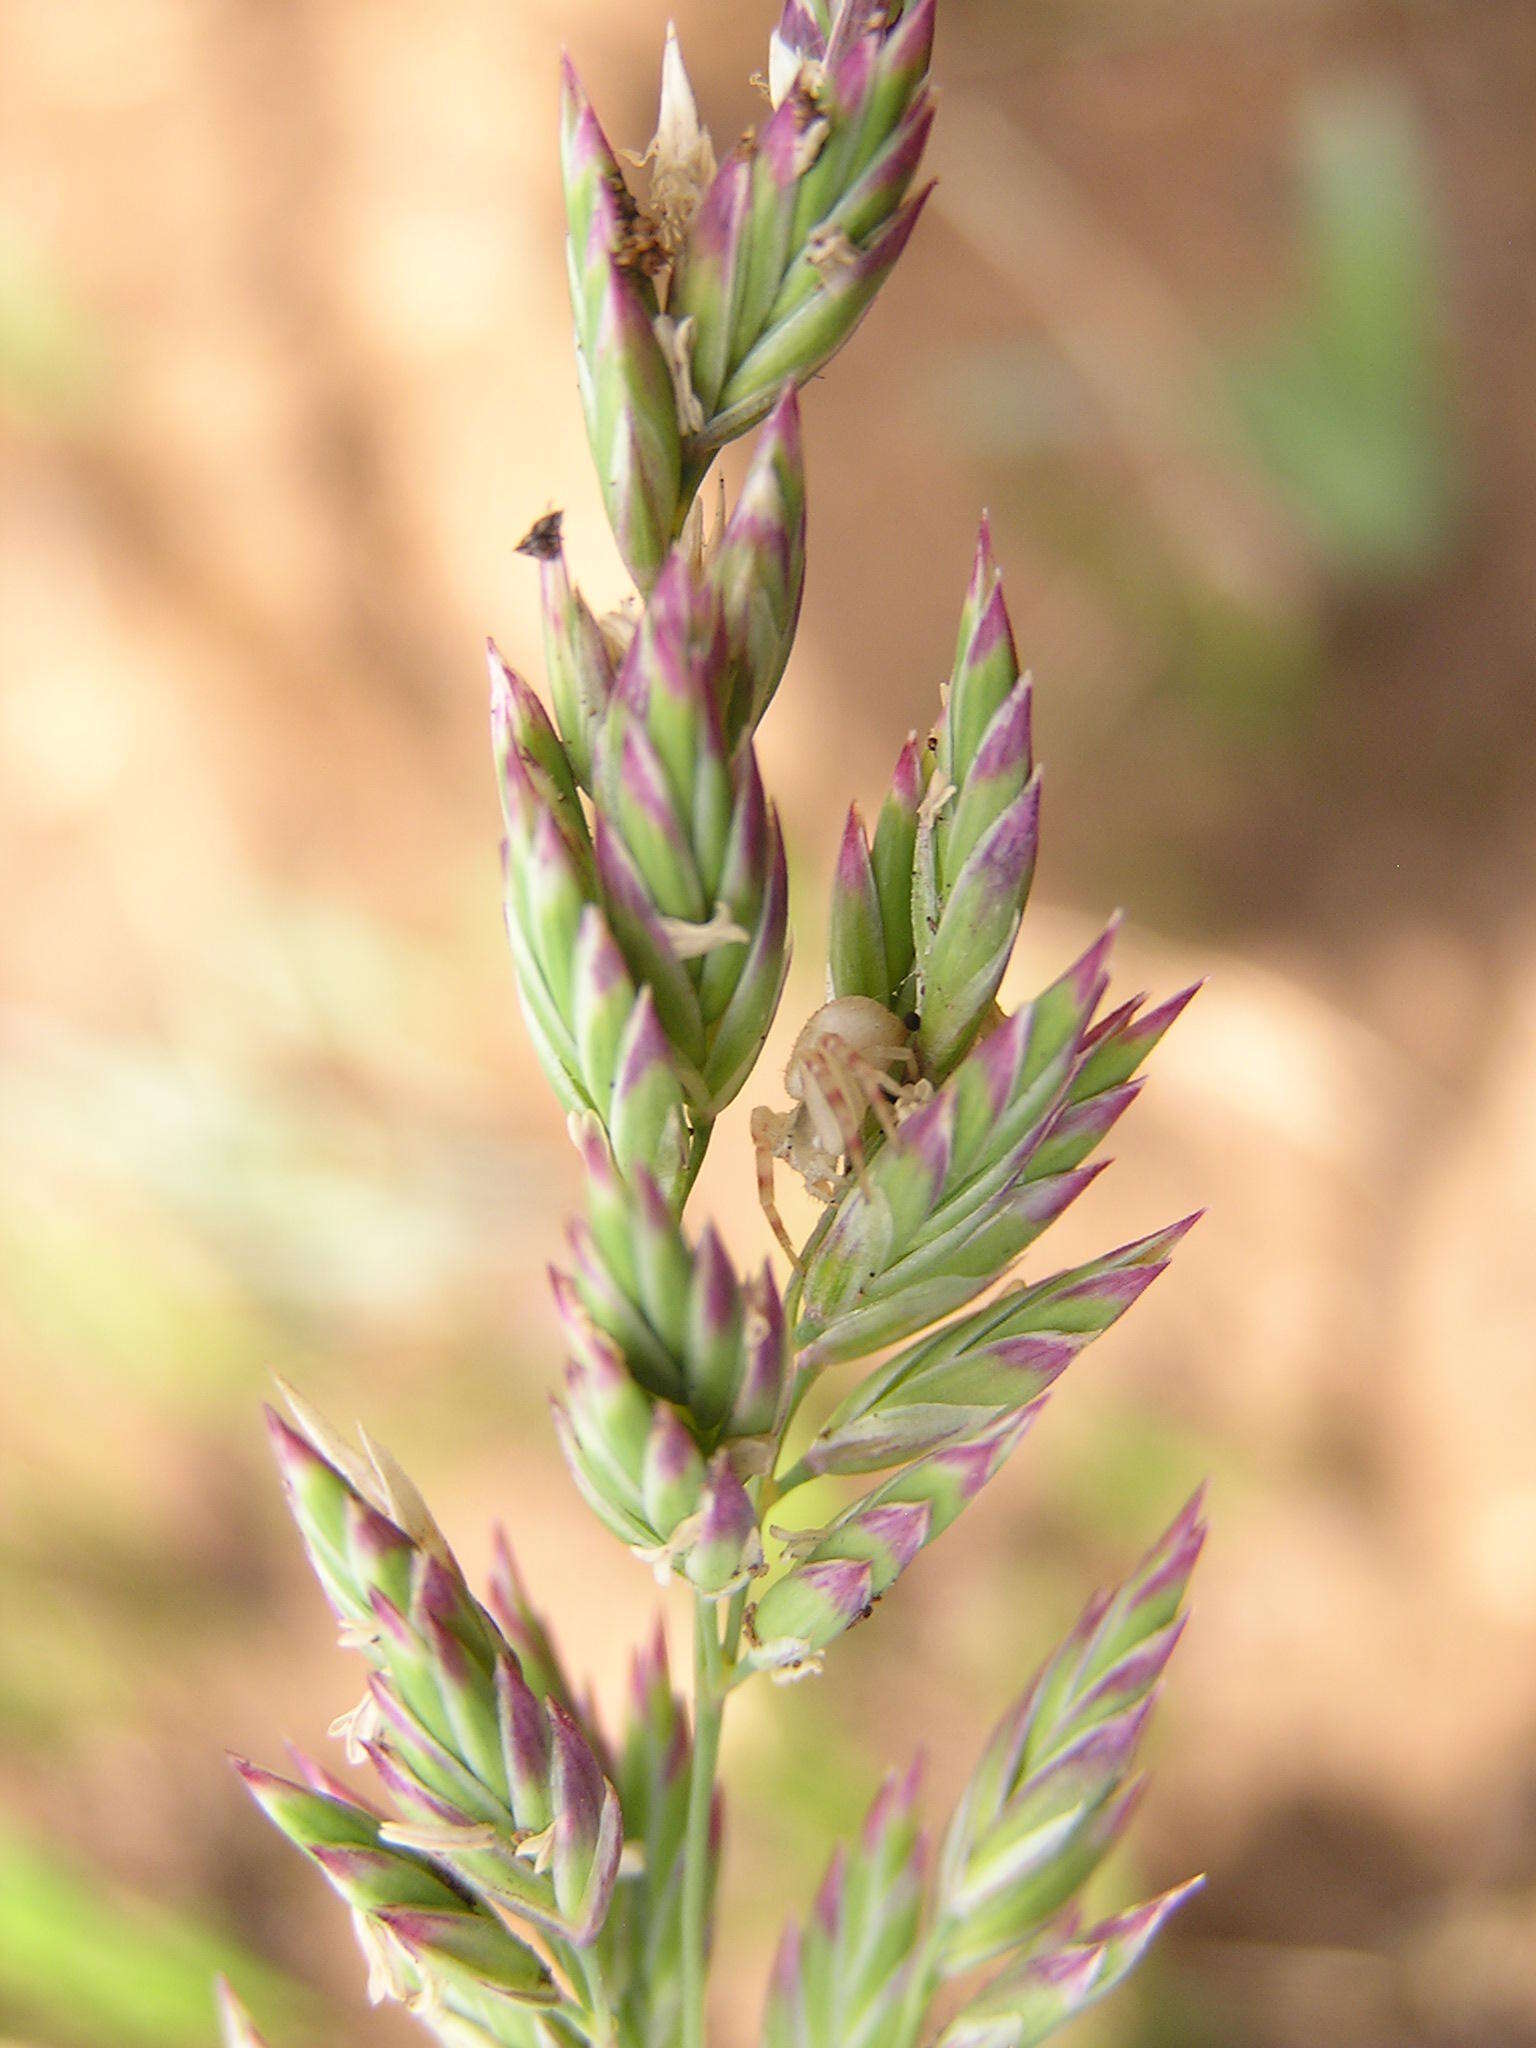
column 80, row 1967
column 1347, row 402
column 1340, row 421
column 49, row 359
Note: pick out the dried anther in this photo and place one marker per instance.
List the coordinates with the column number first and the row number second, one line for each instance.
column 830, row 250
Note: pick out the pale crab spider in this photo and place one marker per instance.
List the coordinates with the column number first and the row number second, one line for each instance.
column 838, row 1075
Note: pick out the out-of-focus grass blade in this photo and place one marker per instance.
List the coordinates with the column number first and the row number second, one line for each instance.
column 83, row 1967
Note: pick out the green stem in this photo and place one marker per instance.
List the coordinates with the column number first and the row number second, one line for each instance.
column 792, row 1295
column 735, row 1614
column 698, row 1145
column 799, row 1474
column 696, row 465
column 708, row 1713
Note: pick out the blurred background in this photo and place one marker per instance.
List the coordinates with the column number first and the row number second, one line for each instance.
column 1226, row 308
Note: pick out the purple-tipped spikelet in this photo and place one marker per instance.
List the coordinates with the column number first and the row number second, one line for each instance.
column 596, row 1031
column 974, row 1175
column 639, row 1466
column 924, row 920
column 577, row 658
column 603, row 1422
column 526, row 1631
column 727, row 1550
column 695, row 308
column 982, row 1368
column 858, row 960
column 1054, row 1792
column 447, row 1712
column 390, row 1887
column 840, row 1980
column 806, row 219
column 690, row 1332
column 688, row 849
column 757, row 572
column 880, row 1534
column 641, row 1943
column 1059, row 1979
column 800, row 38
column 622, row 372
column 808, row 1608
column 891, row 856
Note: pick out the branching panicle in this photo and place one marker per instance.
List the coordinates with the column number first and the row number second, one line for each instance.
column 525, row 1878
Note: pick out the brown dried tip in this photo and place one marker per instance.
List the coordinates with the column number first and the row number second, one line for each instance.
column 542, row 540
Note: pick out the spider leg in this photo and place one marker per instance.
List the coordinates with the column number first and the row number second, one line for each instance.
column 763, row 1151
column 847, row 1106
column 872, row 1081
column 909, row 1094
